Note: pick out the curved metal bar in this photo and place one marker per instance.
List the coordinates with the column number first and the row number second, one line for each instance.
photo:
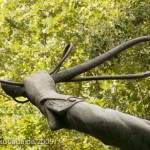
column 70, row 73
column 64, row 56
column 12, row 83
column 110, row 77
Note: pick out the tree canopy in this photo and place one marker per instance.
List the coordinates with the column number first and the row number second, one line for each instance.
column 33, row 34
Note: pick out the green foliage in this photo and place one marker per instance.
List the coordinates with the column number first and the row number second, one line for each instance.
column 33, row 35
